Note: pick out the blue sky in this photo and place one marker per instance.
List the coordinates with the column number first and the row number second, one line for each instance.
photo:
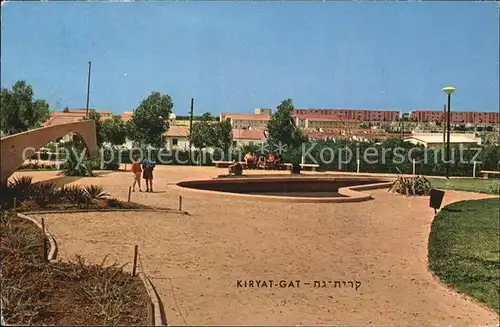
column 240, row 56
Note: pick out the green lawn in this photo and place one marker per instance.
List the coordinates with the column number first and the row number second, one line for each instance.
column 466, row 184
column 464, row 248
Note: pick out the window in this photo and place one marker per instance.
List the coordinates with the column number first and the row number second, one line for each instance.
column 250, row 143
column 174, row 142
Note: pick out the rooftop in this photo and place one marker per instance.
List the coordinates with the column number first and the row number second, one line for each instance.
column 237, row 116
column 438, row 138
column 248, row 134
column 324, row 118
column 344, row 109
column 177, row 131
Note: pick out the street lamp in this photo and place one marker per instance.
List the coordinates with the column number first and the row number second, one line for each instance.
column 448, row 90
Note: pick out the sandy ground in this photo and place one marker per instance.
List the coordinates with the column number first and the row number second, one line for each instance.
column 195, row 261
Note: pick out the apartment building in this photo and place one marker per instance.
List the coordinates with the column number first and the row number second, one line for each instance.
column 256, row 121
column 317, row 122
column 457, row 117
column 352, row 114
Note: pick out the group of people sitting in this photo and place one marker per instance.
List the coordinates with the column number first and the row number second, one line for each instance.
column 271, row 161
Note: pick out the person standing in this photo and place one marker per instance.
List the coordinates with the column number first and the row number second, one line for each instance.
column 136, row 170
column 147, row 173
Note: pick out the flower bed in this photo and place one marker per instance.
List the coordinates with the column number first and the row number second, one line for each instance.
column 45, row 196
column 35, row 291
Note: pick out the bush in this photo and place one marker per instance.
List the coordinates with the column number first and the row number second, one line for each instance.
column 411, row 186
column 44, row 194
column 95, row 192
column 18, row 189
column 74, row 194
column 495, row 188
column 114, row 203
column 74, row 166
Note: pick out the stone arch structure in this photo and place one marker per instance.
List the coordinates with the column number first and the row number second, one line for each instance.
column 15, row 149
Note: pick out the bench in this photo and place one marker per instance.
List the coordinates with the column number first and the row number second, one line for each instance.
column 222, row 164
column 312, row 166
column 288, row 166
column 489, row 172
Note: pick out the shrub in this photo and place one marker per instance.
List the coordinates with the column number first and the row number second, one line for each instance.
column 18, row 189
column 73, row 166
column 495, row 187
column 44, row 194
column 74, row 194
column 21, row 186
column 114, row 203
column 95, row 192
column 411, row 186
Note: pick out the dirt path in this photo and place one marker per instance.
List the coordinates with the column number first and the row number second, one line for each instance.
column 195, row 261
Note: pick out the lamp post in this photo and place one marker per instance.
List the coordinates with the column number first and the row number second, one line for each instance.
column 449, row 91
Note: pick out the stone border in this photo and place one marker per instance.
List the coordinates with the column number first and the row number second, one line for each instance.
column 46, row 212
column 157, row 317
column 350, row 193
column 52, row 242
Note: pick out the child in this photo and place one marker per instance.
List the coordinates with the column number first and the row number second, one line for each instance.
column 136, row 170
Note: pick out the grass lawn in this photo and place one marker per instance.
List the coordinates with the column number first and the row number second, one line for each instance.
column 465, row 184
column 464, row 248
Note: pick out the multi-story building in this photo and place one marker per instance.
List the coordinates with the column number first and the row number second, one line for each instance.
column 177, row 137
column 317, row 122
column 352, row 114
column 256, row 121
column 457, row 117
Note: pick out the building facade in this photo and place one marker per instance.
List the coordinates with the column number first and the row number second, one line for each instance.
column 245, row 137
column 256, row 121
column 352, row 114
column 316, row 122
column 436, row 140
column 457, row 117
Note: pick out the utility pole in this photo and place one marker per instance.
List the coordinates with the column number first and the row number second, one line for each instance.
column 88, row 91
column 191, row 131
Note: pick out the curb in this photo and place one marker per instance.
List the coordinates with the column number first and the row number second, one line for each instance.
column 157, row 316
column 350, row 194
column 52, row 242
column 105, row 210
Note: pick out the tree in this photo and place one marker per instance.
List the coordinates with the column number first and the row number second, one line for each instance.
column 150, row 120
column 281, row 127
column 203, row 134
column 114, row 131
column 19, row 111
column 211, row 133
column 223, row 132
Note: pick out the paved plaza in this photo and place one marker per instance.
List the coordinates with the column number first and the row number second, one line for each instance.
column 196, row 261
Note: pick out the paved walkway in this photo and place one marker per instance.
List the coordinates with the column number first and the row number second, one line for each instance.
column 195, row 261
